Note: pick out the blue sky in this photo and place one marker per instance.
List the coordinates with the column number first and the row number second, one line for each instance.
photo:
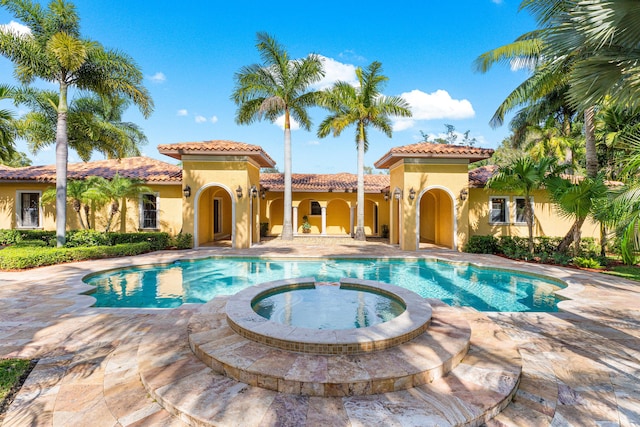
column 190, row 50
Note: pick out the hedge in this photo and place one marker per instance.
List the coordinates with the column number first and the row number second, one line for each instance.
column 18, row 258
column 157, row 240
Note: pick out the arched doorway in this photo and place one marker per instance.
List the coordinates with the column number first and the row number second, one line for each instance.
column 214, row 221
column 338, row 217
column 275, row 212
column 436, row 224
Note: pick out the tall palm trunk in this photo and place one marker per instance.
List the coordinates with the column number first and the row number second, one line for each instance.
column 528, row 214
column 590, row 143
column 287, row 227
column 62, row 156
column 77, row 207
column 360, row 196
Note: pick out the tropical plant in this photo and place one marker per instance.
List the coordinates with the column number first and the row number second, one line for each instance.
column 577, row 200
column 7, row 127
column 54, row 51
column 522, row 177
column 17, row 160
column 115, row 191
column 81, row 194
column 279, row 86
column 94, row 124
column 362, row 106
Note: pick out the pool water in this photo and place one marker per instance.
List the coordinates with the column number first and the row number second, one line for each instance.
column 328, row 307
column 198, row 281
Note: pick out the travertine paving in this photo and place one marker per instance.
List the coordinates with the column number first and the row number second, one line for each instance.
column 580, row 366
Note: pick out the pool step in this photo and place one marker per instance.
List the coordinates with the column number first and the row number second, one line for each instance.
column 427, row 357
column 472, row 393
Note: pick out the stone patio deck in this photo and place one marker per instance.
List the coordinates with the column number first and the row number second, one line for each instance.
column 580, row 366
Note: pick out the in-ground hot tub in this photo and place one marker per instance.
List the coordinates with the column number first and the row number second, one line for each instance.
column 371, row 315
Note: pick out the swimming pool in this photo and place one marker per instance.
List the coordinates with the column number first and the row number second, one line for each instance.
column 198, row 281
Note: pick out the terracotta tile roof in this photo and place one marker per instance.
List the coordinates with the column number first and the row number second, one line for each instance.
column 145, row 168
column 430, row 150
column 220, row 148
column 478, row 177
column 339, row 182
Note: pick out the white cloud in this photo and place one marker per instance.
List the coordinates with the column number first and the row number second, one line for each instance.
column 158, row 77
column 433, row 106
column 496, row 1
column 201, row 119
column 183, row 112
column 16, row 28
column 334, row 71
column 280, row 123
column 214, row 119
column 313, row 142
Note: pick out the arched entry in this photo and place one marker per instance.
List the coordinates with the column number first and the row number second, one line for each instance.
column 338, row 217
column 435, row 219
column 275, row 212
column 214, row 215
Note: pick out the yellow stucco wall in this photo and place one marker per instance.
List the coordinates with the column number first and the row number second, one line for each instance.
column 170, row 205
column 425, row 176
column 338, row 212
column 547, row 220
column 226, row 175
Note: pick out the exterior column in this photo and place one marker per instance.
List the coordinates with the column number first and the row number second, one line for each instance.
column 324, row 220
column 351, row 220
column 295, row 220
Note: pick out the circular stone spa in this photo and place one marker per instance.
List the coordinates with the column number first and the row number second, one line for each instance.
column 346, row 318
column 338, row 353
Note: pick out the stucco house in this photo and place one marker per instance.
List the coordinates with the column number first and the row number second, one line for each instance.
column 218, row 193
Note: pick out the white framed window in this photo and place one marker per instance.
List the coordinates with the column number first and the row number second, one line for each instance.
column 498, row 210
column 315, row 208
column 28, row 212
column 519, row 214
column 149, row 209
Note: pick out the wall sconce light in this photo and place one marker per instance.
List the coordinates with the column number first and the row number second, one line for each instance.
column 263, row 193
column 397, row 193
column 186, row 191
column 386, row 195
column 239, row 192
column 464, row 193
column 412, row 194
column 254, row 191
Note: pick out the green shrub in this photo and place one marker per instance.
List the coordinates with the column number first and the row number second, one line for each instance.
column 9, row 237
column 30, row 244
column 45, row 236
column 182, row 241
column 264, row 229
column 482, row 245
column 157, row 240
column 78, row 238
column 13, row 258
column 586, row 262
column 561, row 258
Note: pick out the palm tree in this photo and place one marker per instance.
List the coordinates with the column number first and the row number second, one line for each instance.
column 552, row 64
column 577, row 200
column 522, row 177
column 81, row 193
column 7, row 127
column 55, row 52
column 279, row 86
column 94, row 124
column 362, row 106
column 115, row 191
